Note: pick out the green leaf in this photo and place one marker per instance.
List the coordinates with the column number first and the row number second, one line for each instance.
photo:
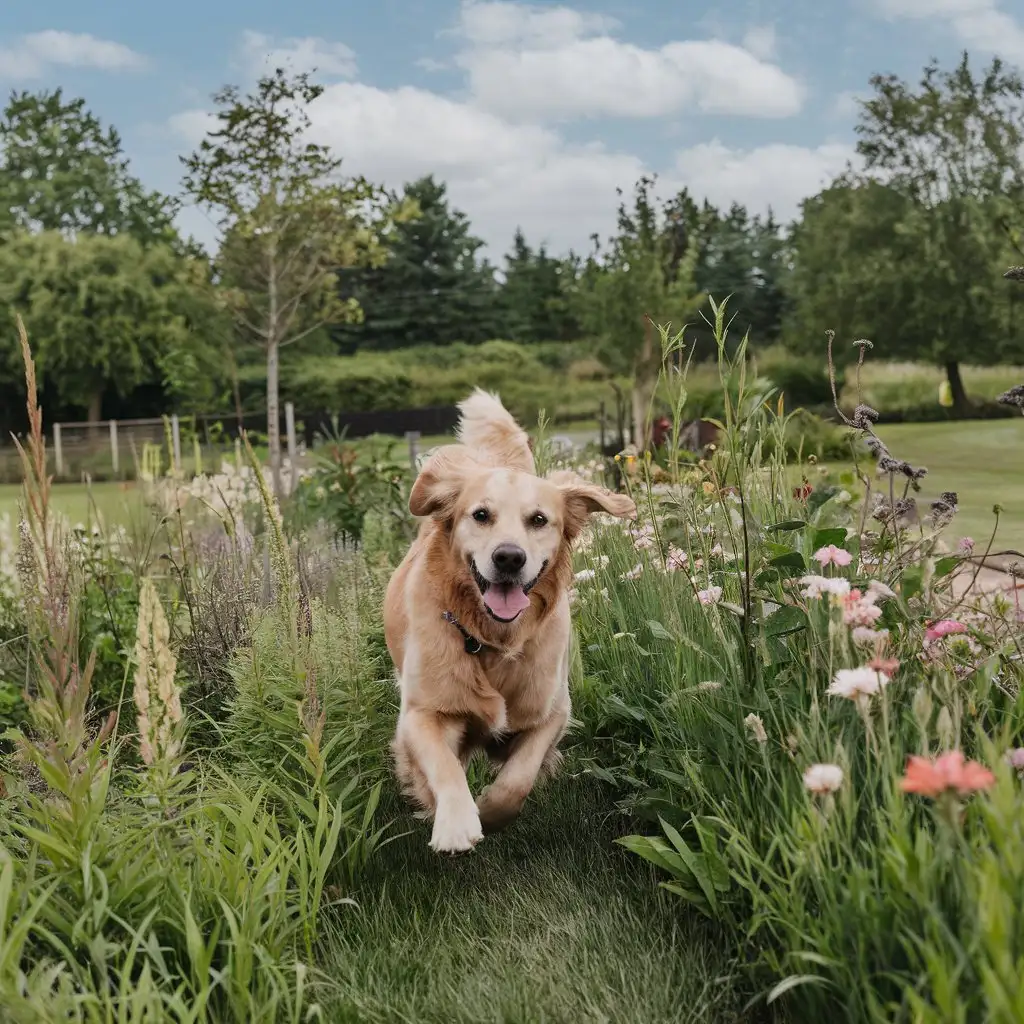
column 788, row 619
column 794, row 981
column 787, row 526
column 944, row 566
column 659, row 632
column 792, row 560
column 822, row 538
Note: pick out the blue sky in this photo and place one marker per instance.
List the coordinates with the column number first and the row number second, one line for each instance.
column 533, row 113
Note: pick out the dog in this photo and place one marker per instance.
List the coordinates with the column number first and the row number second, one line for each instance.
column 476, row 619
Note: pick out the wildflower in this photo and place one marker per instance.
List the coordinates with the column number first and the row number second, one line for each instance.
column 712, row 595
column 886, row 666
column 756, row 728
column 802, row 493
column 635, row 573
column 816, row 586
column 1015, row 759
column 157, row 697
column 823, row 778
column 584, row 575
column 965, row 546
column 860, row 609
column 947, row 772
column 942, row 628
column 880, row 591
column 831, row 555
column 857, row 683
column 868, row 636
column 573, row 595
column 677, row 559
column 717, row 551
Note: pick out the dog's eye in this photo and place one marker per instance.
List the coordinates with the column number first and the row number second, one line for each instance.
column 481, row 515
column 538, row 519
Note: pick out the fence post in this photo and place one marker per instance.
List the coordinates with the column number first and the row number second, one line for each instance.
column 289, row 428
column 58, row 449
column 113, row 445
column 413, row 437
column 176, row 442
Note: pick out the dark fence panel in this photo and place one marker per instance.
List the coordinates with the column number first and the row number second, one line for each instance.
column 431, row 421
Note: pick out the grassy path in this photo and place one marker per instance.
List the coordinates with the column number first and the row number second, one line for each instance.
column 548, row 923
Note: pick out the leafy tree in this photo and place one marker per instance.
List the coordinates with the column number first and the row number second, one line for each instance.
column 951, row 151
column 644, row 276
column 61, row 170
column 290, row 223
column 432, row 289
column 537, row 295
column 106, row 314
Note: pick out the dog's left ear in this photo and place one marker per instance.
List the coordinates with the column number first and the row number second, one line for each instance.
column 582, row 499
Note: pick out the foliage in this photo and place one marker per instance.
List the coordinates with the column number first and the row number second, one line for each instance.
column 61, row 171
column 431, row 286
column 110, row 314
column 289, row 223
column 538, row 296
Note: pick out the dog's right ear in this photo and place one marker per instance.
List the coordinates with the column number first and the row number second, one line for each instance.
column 439, row 483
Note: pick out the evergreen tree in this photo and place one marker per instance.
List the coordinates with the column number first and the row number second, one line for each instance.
column 537, row 301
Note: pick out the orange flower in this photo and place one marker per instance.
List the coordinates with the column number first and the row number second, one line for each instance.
column 946, row 772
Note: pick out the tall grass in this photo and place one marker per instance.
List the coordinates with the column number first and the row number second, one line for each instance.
column 760, row 663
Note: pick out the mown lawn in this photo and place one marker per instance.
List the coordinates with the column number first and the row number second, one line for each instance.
column 549, row 921
column 115, row 503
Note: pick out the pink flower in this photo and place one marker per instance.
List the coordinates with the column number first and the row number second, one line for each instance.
column 965, row 545
column 1015, row 758
column 945, row 773
column 860, row 609
column 677, row 559
column 710, row 596
column 944, row 627
column 831, row 555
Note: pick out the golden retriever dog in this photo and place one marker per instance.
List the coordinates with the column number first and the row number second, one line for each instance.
column 477, row 622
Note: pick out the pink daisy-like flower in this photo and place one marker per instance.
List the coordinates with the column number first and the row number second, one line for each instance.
column 942, row 628
column 832, row 555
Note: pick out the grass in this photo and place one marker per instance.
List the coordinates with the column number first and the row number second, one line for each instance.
column 116, row 503
column 548, row 921
column 983, row 461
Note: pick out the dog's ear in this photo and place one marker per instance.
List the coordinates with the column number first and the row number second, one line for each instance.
column 440, row 482
column 582, row 499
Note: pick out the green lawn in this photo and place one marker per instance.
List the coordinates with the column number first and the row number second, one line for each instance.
column 983, row 461
column 115, row 503
column 549, row 921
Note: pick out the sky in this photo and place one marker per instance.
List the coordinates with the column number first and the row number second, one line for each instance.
column 533, row 114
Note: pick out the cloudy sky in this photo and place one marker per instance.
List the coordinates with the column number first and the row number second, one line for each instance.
column 533, row 113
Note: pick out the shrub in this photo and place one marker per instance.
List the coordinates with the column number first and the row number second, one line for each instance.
column 802, row 381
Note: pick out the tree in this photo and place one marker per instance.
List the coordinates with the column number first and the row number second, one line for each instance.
column 60, row 170
column 107, row 314
column 953, row 149
column 290, row 223
column 537, row 295
column 433, row 287
column 643, row 277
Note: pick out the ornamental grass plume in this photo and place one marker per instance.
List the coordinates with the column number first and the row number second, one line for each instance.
column 156, row 694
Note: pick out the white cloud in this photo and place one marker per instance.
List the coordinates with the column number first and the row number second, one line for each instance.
column 981, row 24
column 261, row 54
column 506, row 174
column 775, row 175
column 847, row 104
column 760, row 41
column 31, row 56
column 555, row 63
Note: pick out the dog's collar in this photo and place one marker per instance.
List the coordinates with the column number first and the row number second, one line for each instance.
column 471, row 644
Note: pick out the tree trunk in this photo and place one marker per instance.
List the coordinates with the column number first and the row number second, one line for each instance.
column 644, row 381
column 273, row 416
column 957, row 390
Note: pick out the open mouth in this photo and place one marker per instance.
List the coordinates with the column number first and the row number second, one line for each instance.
column 504, row 601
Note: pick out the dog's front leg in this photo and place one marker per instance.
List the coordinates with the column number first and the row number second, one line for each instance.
column 431, row 741
column 501, row 802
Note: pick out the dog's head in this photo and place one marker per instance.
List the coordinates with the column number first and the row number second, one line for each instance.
column 505, row 526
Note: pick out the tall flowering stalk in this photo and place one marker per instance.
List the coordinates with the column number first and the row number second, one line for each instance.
column 156, row 694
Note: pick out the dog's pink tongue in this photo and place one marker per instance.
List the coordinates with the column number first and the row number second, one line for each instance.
column 506, row 602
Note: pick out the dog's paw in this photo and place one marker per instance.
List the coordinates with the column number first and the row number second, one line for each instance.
column 456, row 829
column 500, row 805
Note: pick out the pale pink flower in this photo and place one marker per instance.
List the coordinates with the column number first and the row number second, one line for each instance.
column 832, row 555
column 677, row 559
column 817, row 586
column 822, row 779
column 943, row 628
column 856, row 683
column 710, row 596
column 859, row 609
column 879, row 591
column 867, row 636
column 635, row 573
column 1015, row 759
column 965, row 545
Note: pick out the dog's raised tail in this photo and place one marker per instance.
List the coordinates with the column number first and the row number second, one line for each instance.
column 489, row 427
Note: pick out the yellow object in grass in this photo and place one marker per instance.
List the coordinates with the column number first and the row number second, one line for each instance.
column 945, row 395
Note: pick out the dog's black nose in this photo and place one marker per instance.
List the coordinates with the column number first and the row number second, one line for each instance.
column 508, row 559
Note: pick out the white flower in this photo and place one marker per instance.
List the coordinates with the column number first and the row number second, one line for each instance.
column 710, row 596
column 868, row 636
column 816, row 586
column 823, row 778
column 633, row 573
column 880, row 591
column 855, row 683
column 756, row 727
column 584, row 575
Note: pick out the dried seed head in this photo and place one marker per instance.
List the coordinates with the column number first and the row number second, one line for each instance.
column 1015, row 274
column 864, row 417
column 944, row 508
column 1015, row 396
